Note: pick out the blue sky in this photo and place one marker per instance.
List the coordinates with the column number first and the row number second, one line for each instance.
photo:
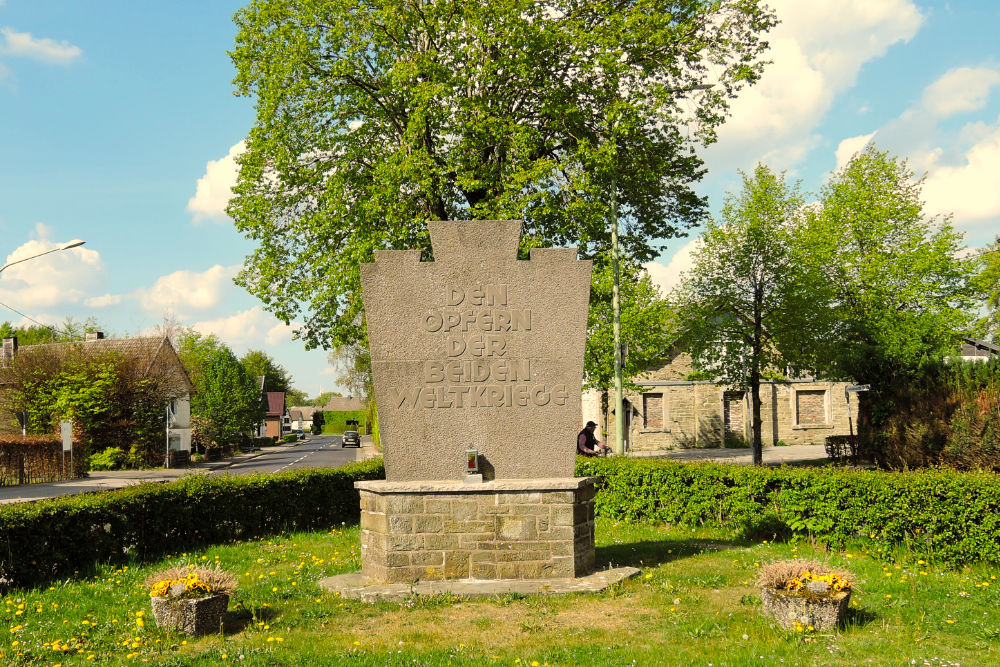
column 118, row 126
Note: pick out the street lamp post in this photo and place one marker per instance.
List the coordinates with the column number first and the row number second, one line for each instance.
column 75, row 244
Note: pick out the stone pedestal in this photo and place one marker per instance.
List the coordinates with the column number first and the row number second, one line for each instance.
column 521, row 529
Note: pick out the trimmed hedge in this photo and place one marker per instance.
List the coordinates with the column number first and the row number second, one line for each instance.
column 335, row 421
column 953, row 517
column 42, row 457
column 948, row 516
column 43, row 541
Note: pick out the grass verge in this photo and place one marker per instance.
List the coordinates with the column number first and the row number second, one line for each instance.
column 693, row 603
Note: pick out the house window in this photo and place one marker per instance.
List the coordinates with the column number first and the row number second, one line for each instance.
column 652, row 411
column 810, row 407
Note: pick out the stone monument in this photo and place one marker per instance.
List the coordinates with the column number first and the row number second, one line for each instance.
column 477, row 361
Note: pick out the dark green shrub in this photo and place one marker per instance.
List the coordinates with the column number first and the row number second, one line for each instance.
column 950, row 516
column 46, row 540
column 291, row 437
column 948, row 415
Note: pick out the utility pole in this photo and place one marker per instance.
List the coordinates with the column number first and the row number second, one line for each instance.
column 617, row 327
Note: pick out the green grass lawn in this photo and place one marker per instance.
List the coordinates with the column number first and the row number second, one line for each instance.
column 694, row 603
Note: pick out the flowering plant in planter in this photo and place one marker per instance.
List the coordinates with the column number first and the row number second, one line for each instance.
column 190, row 599
column 804, row 594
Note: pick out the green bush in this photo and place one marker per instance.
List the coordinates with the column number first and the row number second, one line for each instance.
column 291, row 437
column 112, row 458
column 47, row 540
column 950, row 516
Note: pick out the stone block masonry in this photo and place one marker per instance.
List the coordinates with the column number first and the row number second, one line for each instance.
column 506, row 529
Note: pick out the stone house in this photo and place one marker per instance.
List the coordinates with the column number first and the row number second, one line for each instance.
column 671, row 412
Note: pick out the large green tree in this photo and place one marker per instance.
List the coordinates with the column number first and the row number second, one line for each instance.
column 374, row 116
column 228, row 399
column 899, row 290
column 749, row 304
column 227, row 404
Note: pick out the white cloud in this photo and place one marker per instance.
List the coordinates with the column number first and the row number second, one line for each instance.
column 959, row 90
column 54, row 279
column 24, row 45
column 249, row 328
column 214, row 189
column 818, row 50
column 960, row 167
column 969, row 189
column 103, row 301
column 668, row 276
column 848, row 147
column 183, row 291
column 281, row 333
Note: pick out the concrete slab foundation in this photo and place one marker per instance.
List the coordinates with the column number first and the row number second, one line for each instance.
column 354, row 587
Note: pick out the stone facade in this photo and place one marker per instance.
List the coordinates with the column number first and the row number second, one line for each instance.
column 513, row 529
column 672, row 412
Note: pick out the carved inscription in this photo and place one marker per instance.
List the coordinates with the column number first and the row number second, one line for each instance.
column 477, row 323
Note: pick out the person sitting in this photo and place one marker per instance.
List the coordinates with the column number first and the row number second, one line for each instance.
column 587, row 443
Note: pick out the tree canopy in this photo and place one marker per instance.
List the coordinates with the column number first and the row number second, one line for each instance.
column 227, row 404
column 987, row 285
column 647, row 326
column 258, row 363
column 899, row 288
column 376, row 116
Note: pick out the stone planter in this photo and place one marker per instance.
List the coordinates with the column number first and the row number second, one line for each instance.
column 822, row 612
column 196, row 616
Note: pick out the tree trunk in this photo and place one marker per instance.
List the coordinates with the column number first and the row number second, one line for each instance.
column 756, row 441
column 758, row 331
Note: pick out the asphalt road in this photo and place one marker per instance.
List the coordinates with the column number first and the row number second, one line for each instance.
column 318, row 451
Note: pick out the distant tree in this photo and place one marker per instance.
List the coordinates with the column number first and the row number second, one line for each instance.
column 323, row 398
column 258, row 363
column 374, row 117
column 748, row 303
column 354, row 364
column 228, row 399
column 318, row 421
column 987, row 286
column 646, row 328
column 69, row 330
column 296, row 397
